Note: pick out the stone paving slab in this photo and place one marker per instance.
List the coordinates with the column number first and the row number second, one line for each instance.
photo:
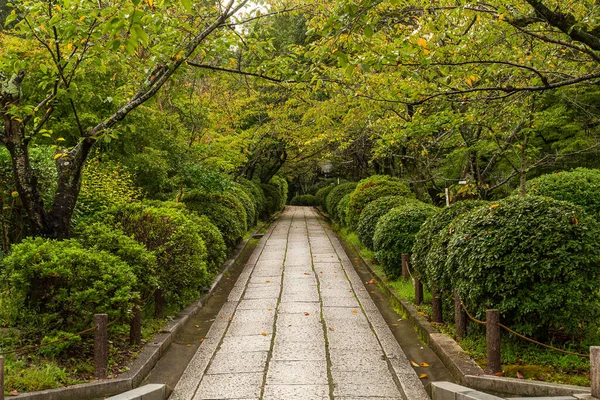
column 299, row 324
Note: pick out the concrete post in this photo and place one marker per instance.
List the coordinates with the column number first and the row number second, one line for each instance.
column 135, row 326
column 418, row 291
column 405, row 261
column 101, row 346
column 159, row 304
column 595, row 370
column 492, row 336
column 436, row 306
column 460, row 317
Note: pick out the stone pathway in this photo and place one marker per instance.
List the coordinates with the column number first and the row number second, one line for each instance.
column 299, row 324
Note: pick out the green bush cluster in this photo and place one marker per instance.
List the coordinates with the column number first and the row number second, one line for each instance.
column 372, row 213
column 274, row 200
column 395, row 234
column 282, row 185
column 322, row 194
column 304, row 200
column 245, row 197
column 342, row 209
column 580, row 186
column 257, row 195
column 335, row 195
column 370, row 189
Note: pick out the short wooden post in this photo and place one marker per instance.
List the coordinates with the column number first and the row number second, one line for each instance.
column 101, row 346
column 1, row 378
column 492, row 336
column 595, row 370
column 460, row 317
column 405, row 261
column 418, row 291
column 436, row 306
column 135, row 325
column 159, row 304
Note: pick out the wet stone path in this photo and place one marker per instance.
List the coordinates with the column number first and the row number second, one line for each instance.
column 299, row 324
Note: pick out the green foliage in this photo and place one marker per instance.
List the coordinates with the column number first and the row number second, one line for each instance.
column 322, row 193
column 176, row 242
column 335, row 195
column 341, row 211
column 535, row 259
column 257, row 194
column 100, row 236
column 580, row 186
column 54, row 285
column 282, row 185
column 247, row 202
column 304, row 200
column 204, row 179
column 429, row 251
column 215, row 245
column 370, row 189
column 55, row 349
column 373, row 212
column 274, row 200
column 222, row 209
column 395, row 234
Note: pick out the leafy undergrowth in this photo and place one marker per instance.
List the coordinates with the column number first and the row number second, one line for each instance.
column 520, row 359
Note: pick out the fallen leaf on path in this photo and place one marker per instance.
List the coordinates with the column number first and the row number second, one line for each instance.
column 424, row 364
column 188, row 345
column 264, row 333
column 201, row 340
column 372, row 281
column 268, row 281
column 306, row 273
column 354, row 311
column 501, row 373
column 394, row 324
column 519, row 375
column 422, row 376
column 331, row 328
column 197, row 326
column 421, row 313
column 229, row 318
column 306, row 314
column 270, row 309
column 414, row 364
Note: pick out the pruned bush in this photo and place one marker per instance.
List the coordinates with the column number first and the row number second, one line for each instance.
column 535, row 259
column 274, row 200
column 304, row 200
column 335, row 195
column 430, row 249
column 282, row 185
column 580, row 186
column 372, row 213
column 341, row 211
column 370, row 189
column 395, row 234
column 51, row 286
column 322, row 193
column 257, row 194
column 176, row 242
column 99, row 236
column 247, row 202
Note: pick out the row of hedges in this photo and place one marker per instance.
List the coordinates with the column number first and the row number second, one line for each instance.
column 123, row 254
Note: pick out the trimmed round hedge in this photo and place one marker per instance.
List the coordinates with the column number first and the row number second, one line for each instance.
column 335, row 195
column 257, row 194
column 282, row 185
column 274, row 199
column 341, row 210
column 304, row 200
column 536, row 259
column 371, row 189
column 372, row 213
column 51, row 286
column 247, row 202
column 322, row 194
column 429, row 251
column 395, row 234
column 224, row 210
column 580, row 186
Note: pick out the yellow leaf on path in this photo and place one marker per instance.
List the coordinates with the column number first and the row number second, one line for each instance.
column 201, row 340
column 270, row 309
column 268, row 281
column 354, row 311
column 414, row 364
column 394, row 324
column 422, row 376
column 424, row 364
column 264, row 333
column 188, row 345
column 331, row 328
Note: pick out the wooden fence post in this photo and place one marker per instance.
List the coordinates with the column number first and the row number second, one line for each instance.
column 135, row 326
column 1, row 378
column 436, row 306
column 418, row 291
column 101, row 346
column 460, row 317
column 595, row 370
column 405, row 261
column 492, row 338
column 159, row 304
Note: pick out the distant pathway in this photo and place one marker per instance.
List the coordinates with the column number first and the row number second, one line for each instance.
column 299, row 324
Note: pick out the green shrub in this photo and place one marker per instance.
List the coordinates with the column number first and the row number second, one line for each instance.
column 335, row 195
column 370, row 189
column 395, row 234
column 429, row 251
column 101, row 236
column 176, row 242
column 51, row 286
column 341, row 212
column 535, row 259
column 304, row 200
column 257, row 194
column 371, row 215
column 274, row 200
column 282, row 185
column 322, row 193
column 247, row 202
column 580, row 186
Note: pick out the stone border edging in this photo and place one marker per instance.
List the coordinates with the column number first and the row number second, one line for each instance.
column 148, row 356
column 460, row 365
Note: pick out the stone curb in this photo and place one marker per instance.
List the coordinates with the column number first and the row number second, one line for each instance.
column 147, row 392
column 460, row 365
column 148, row 356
